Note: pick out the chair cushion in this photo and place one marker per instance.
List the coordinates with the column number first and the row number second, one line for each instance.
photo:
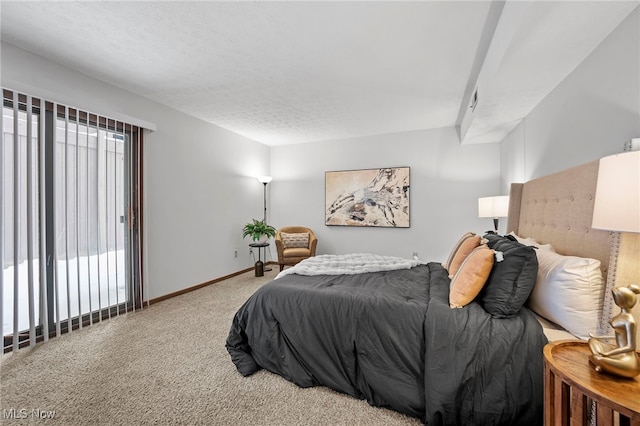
column 294, row 240
column 296, row 252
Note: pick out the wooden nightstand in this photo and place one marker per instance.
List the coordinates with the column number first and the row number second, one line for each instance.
column 571, row 384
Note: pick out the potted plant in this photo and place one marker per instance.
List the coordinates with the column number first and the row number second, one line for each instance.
column 258, row 230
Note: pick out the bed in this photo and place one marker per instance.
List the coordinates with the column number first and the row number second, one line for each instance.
column 393, row 335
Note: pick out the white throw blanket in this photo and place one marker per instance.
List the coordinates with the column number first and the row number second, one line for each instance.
column 349, row 264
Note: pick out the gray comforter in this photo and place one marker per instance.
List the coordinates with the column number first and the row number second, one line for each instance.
column 392, row 339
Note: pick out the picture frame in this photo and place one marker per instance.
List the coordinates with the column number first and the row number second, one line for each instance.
column 368, row 197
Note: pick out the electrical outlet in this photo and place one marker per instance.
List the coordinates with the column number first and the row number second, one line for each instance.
column 251, row 251
column 235, row 253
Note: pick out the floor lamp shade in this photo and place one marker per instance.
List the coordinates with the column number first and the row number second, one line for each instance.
column 617, row 199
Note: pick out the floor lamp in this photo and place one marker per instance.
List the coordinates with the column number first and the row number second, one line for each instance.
column 265, row 180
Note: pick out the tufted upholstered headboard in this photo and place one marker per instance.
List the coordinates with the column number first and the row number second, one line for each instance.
column 557, row 209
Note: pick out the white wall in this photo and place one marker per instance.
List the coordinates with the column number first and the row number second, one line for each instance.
column 446, row 180
column 588, row 116
column 200, row 186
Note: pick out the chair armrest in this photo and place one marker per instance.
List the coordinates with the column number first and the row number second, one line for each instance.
column 313, row 242
column 312, row 247
column 279, row 246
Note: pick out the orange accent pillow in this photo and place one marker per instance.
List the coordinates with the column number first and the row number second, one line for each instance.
column 467, row 243
column 446, row 264
column 471, row 276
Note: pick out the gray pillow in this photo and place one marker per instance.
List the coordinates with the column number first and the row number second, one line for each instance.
column 511, row 280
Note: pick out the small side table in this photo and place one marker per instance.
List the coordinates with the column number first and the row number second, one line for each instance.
column 259, row 266
column 571, row 384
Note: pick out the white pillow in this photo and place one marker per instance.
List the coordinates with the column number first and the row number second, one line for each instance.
column 531, row 242
column 568, row 291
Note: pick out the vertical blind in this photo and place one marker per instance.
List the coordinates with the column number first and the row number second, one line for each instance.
column 70, row 213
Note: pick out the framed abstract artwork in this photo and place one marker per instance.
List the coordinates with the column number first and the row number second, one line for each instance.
column 368, row 197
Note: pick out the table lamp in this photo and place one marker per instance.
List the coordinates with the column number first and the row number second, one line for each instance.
column 495, row 207
column 617, row 208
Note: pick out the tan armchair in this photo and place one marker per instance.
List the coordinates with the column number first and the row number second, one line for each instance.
column 297, row 243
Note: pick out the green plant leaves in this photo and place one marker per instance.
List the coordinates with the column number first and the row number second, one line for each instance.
column 257, row 229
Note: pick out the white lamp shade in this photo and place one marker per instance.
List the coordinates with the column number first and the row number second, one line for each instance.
column 265, row 179
column 617, row 202
column 497, row 206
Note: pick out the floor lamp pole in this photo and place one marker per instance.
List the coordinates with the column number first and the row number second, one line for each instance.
column 264, row 220
column 265, row 202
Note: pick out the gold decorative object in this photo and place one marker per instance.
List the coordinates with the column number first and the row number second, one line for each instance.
column 620, row 359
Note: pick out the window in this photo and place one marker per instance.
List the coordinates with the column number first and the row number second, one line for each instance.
column 70, row 219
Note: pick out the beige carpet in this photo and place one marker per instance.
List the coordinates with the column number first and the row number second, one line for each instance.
column 167, row 365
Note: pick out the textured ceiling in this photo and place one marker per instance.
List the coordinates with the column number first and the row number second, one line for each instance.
column 293, row 72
